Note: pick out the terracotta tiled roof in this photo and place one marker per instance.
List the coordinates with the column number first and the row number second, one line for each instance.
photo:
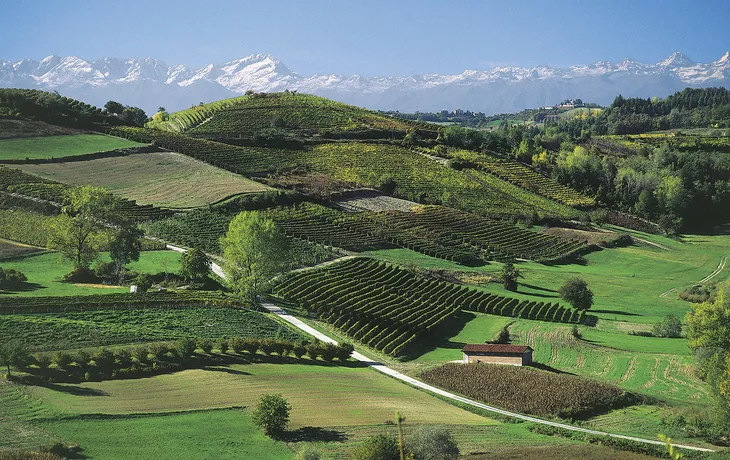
column 495, row 348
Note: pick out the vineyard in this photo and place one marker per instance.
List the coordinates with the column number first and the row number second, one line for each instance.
column 27, row 185
column 98, row 327
column 391, row 309
column 527, row 178
column 24, row 227
column 302, row 114
column 529, row 391
column 414, row 176
column 460, row 236
column 192, row 117
column 436, row 231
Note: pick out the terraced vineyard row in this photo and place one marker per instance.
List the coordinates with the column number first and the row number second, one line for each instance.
column 391, row 309
column 249, row 161
column 527, row 178
column 415, row 177
column 28, row 185
column 464, row 233
column 190, row 118
column 299, row 114
column 432, row 230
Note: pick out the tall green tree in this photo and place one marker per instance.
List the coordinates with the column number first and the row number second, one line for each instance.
column 13, row 353
column 124, row 247
column 254, row 251
column 509, row 275
column 576, row 292
column 194, row 264
column 77, row 232
column 709, row 336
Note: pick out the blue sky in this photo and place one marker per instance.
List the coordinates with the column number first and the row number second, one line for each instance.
column 373, row 37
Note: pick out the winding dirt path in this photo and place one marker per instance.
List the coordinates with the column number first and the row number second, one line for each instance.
column 720, row 267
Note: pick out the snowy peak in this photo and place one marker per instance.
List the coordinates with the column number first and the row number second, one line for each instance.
column 677, row 59
column 148, row 82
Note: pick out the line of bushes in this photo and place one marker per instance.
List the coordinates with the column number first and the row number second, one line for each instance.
column 164, row 357
column 614, row 443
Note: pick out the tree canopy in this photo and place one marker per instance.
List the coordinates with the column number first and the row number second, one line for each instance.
column 254, row 251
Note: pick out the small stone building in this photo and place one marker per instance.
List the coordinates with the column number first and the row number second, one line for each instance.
column 497, row 353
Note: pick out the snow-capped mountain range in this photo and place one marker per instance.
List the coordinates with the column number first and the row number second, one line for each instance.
column 149, row 83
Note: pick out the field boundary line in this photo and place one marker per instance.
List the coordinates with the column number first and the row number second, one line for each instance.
column 720, row 267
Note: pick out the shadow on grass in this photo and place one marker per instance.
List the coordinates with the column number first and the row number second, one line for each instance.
column 74, row 389
column 616, row 312
column 545, row 367
column 537, row 288
column 440, row 337
column 25, row 287
column 313, row 434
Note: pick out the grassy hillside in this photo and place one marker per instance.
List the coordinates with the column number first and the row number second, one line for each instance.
column 59, row 146
column 160, row 179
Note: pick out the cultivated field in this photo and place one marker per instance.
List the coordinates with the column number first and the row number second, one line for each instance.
column 161, row 179
column 60, row 146
column 12, row 250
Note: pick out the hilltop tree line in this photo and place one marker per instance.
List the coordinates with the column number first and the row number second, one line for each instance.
column 65, row 111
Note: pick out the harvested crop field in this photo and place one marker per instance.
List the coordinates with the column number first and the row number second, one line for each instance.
column 585, row 236
column 375, row 202
column 527, row 390
column 159, row 178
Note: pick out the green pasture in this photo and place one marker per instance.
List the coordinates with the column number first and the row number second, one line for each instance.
column 45, row 271
column 60, row 146
column 627, row 282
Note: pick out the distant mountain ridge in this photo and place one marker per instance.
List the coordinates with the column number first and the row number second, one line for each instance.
column 149, row 83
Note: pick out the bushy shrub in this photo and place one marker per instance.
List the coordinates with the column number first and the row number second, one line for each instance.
column 238, row 344
column 307, row 453
column 344, row 351
column 251, row 346
column 123, row 356
column 81, row 275
column 329, row 352
column 62, row 359
column 432, row 443
column 144, row 282
column 42, row 360
column 103, row 359
column 82, row 358
column 223, row 345
column 670, row 326
column 378, row 447
column 299, row 350
column 141, row 353
column 206, row 345
column 272, row 414
column 10, row 278
column 104, row 270
column 185, row 347
column 158, row 350
column 314, row 349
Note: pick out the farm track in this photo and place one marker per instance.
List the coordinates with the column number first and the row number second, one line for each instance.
column 720, row 267
column 382, row 368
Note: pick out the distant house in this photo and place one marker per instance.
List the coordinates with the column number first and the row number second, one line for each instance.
column 497, row 353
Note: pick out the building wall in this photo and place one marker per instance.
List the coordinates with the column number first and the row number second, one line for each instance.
column 513, row 360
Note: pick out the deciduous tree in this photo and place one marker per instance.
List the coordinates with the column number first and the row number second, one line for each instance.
column 254, row 251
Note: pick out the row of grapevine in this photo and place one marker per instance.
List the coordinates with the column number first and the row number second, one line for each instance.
column 465, row 234
column 390, row 309
column 529, row 179
column 15, row 181
column 179, row 299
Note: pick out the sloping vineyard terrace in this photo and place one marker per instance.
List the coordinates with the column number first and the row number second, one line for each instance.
column 391, row 309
